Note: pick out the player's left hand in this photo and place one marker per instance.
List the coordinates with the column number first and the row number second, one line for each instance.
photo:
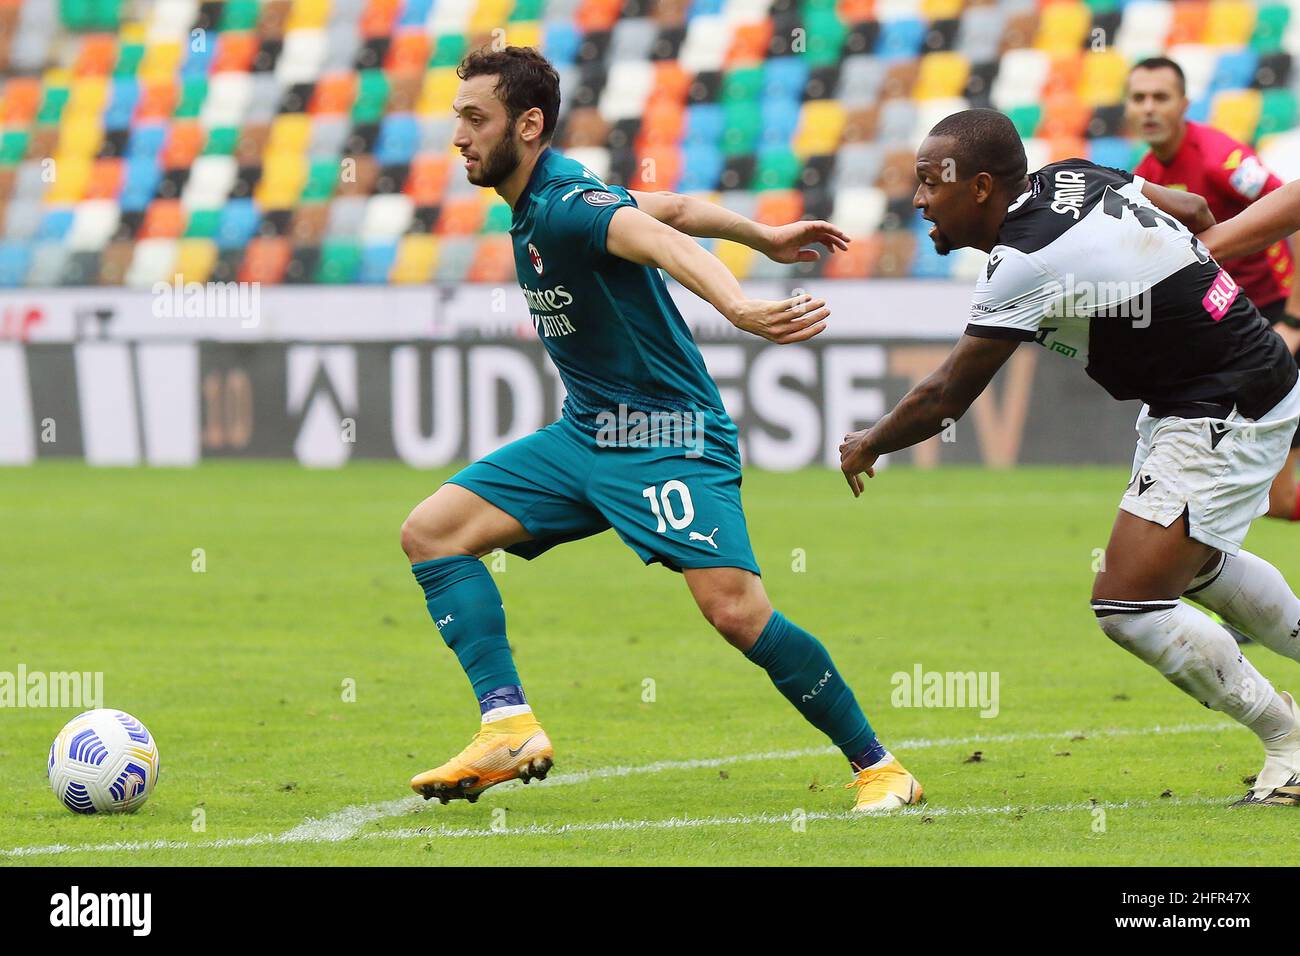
column 856, row 459
column 786, row 243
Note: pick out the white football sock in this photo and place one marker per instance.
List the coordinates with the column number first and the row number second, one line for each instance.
column 1252, row 596
column 1198, row 656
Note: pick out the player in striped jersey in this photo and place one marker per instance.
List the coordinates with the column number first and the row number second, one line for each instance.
column 1085, row 264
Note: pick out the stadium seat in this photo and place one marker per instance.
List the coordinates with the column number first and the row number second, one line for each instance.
column 377, row 259
column 1277, row 112
column 662, row 124
column 1064, row 115
column 1270, row 27
column 657, row 167
column 1234, row 70
column 980, row 36
column 239, row 222
column 93, row 224
column 15, row 261
column 1237, row 113
column 266, row 260
column 702, row 166
column 861, row 79
column 1063, row 27
column 857, row 262
column 163, row 219
column 942, row 76
column 494, row 261
column 1110, row 151
column 339, row 262
column 195, row 259
column 1230, row 22
column 417, row 257
column 154, row 261
column 1020, row 78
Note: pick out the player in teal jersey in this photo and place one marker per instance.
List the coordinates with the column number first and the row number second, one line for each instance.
column 644, row 445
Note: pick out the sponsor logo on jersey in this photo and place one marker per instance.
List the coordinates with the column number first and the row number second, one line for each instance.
column 1249, row 178
column 535, row 258
column 1069, row 351
column 598, row 197
column 1069, row 189
column 545, row 306
column 1223, row 292
column 548, row 300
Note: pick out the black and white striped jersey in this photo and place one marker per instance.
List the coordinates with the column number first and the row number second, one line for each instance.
column 1086, row 266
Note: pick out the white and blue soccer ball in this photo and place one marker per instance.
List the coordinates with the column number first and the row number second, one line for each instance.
column 103, row 761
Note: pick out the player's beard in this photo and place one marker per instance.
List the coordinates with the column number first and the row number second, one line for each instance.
column 497, row 165
column 941, row 243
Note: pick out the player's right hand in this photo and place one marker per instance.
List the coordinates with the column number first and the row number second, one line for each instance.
column 855, row 459
column 784, row 321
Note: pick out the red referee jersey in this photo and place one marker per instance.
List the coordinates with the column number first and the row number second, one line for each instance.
column 1230, row 177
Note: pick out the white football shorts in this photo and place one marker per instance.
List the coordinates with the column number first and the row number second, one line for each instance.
column 1218, row 471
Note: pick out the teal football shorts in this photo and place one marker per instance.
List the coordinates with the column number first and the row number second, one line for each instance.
column 678, row 509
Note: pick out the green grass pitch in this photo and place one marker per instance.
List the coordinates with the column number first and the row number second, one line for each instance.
column 242, row 671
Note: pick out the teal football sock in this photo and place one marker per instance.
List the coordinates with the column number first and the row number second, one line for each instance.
column 803, row 671
column 465, row 605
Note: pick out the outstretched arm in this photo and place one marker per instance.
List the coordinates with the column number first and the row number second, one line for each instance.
column 706, row 220
column 944, row 395
column 1256, row 227
column 638, row 237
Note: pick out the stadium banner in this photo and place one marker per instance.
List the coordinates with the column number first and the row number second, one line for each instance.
column 435, row 375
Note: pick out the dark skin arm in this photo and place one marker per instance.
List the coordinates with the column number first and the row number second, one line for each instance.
column 946, row 394
column 1188, row 208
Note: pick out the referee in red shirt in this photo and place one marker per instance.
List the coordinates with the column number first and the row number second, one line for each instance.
column 1203, row 160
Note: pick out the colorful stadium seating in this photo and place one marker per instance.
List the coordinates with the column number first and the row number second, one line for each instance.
column 309, row 140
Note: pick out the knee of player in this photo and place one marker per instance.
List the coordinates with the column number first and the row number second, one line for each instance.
column 736, row 619
column 420, row 540
column 1118, row 627
column 1141, row 627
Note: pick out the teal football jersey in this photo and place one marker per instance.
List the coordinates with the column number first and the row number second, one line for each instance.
column 609, row 325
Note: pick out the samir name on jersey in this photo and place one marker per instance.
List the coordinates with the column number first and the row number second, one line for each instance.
column 1087, row 266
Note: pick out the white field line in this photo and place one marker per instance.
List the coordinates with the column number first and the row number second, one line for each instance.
column 613, row 826
column 679, row 823
column 348, row 822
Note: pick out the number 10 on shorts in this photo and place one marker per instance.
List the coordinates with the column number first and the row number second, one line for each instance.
column 679, row 514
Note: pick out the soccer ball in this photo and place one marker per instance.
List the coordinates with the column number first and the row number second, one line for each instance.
column 103, row 761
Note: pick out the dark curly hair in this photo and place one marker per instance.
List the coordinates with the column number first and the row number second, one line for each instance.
column 525, row 79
